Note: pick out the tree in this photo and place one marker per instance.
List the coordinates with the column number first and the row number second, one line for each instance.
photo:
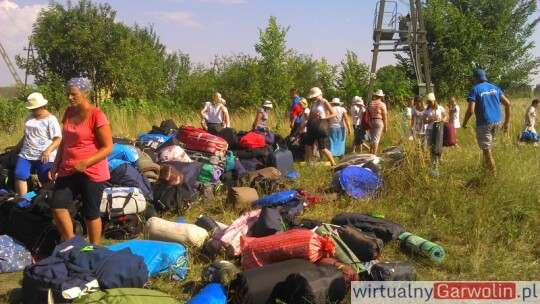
column 491, row 34
column 353, row 78
column 272, row 66
column 393, row 80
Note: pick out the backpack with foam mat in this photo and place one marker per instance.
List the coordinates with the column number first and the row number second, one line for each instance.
column 384, row 229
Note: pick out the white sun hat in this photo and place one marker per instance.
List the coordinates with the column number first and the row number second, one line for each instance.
column 314, row 92
column 267, row 104
column 34, row 101
column 379, row 93
column 430, row 97
column 336, row 101
column 357, row 100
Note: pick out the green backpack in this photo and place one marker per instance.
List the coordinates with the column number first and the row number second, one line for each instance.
column 343, row 253
column 127, row 296
column 207, row 174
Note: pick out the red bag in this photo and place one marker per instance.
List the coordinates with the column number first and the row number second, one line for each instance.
column 293, row 244
column 449, row 135
column 199, row 140
column 366, row 119
column 252, row 140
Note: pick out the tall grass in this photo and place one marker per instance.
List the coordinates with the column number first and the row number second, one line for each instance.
column 489, row 226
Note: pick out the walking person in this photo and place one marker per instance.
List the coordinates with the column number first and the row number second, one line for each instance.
column 419, row 127
column 317, row 126
column 406, row 123
column 215, row 114
column 336, row 133
column 81, row 164
column 42, row 135
column 357, row 111
column 485, row 101
column 301, row 132
column 434, row 116
column 379, row 120
column 530, row 116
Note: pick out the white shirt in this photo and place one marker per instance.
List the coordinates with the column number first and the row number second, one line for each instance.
column 303, row 120
column 356, row 114
column 215, row 114
column 530, row 117
column 318, row 107
column 433, row 116
column 419, row 127
column 456, row 122
column 38, row 136
column 337, row 121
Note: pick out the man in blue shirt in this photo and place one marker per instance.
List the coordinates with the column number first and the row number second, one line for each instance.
column 485, row 102
column 293, row 93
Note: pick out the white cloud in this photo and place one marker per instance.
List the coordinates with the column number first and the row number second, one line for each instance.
column 16, row 27
column 181, row 18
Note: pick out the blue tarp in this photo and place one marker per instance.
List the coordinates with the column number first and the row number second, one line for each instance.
column 359, row 182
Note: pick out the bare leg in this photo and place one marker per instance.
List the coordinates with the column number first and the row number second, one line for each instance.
column 64, row 223
column 374, row 148
column 94, row 230
column 308, row 154
column 329, row 156
column 21, row 186
column 489, row 160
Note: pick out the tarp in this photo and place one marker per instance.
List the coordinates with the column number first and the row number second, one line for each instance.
column 359, row 182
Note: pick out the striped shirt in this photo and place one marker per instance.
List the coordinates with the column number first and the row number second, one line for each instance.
column 377, row 109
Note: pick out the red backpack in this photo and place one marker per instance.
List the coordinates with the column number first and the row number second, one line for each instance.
column 252, row 140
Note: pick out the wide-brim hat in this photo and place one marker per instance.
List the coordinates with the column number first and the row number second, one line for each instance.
column 430, row 97
column 267, row 104
column 379, row 93
column 34, row 101
column 314, row 92
column 336, row 101
column 357, row 100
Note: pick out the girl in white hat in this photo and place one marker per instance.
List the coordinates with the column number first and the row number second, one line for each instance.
column 356, row 111
column 317, row 126
column 42, row 135
column 336, row 133
column 262, row 116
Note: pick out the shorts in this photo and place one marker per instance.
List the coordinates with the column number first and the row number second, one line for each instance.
column 67, row 188
column 25, row 167
column 486, row 134
column 214, row 128
column 375, row 132
column 322, row 141
column 359, row 135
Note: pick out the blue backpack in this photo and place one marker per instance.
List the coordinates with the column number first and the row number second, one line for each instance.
column 213, row 293
column 359, row 182
column 275, row 199
column 122, row 154
column 528, row 136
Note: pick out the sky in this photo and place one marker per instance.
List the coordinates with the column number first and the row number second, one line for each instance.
column 205, row 28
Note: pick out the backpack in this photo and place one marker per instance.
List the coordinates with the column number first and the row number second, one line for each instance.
column 384, row 229
column 167, row 127
column 167, row 197
column 122, row 154
column 268, row 223
column 365, row 123
column 252, row 140
column 324, row 284
column 267, row 185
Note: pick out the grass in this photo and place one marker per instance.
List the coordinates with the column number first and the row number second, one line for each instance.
column 489, row 226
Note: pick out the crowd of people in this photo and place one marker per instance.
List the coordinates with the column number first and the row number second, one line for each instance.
column 72, row 160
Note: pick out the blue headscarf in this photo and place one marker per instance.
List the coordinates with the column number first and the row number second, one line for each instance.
column 79, row 82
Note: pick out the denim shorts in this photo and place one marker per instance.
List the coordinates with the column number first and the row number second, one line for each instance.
column 25, row 167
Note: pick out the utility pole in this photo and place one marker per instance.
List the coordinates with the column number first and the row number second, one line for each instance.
column 10, row 65
column 376, row 43
column 29, row 54
column 423, row 43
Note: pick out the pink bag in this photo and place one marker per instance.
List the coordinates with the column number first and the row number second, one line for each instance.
column 228, row 240
column 293, row 244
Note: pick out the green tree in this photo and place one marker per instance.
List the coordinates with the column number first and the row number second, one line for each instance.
column 353, row 77
column 272, row 65
column 492, row 34
column 393, row 80
column 326, row 76
column 239, row 81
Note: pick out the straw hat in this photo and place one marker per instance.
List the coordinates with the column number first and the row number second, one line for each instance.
column 34, row 101
column 267, row 104
column 314, row 92
column 430, row 97
column 379, row 93
column 357, row 100
column 336, row 101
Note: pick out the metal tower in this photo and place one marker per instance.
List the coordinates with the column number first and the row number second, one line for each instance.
column 10, row 65
column 411, row 37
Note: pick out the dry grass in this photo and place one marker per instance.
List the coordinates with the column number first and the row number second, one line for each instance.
column 489, row 226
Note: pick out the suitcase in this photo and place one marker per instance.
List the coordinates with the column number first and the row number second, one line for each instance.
column 199, row 140
column 281, row 160
column 449, row 135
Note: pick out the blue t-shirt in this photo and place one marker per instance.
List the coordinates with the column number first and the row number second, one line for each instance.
column 294, row 102
column 487, row 99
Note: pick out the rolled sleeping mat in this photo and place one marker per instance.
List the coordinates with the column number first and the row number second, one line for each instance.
column 162, row 230
column 416, row 244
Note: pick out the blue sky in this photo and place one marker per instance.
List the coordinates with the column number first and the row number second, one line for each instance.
column 204, row 28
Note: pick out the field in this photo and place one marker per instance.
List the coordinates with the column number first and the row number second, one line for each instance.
column 489, row 225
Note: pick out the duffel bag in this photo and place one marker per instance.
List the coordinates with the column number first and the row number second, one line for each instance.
column 242, row 197
column 265, row 284
column 293, row 244
column 268, row 172
column 162, row 230
column 269, row 223
column 117, row 201
column 392, row 271
column 321, row 285
column 127, row 296
column 220, row 271
column 199, row 140
column 384, row 229
column 365, row 247
column 252, row 140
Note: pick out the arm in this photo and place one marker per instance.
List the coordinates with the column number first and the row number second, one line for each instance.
column 331, row 113
column 225, row 117
column 47, row 152
column 506, row 104
column 468, row 114
column 104, row 136
column 256, row 121
column 57, row 161
column 203, row 112
column 385, row 121
column 347, row 122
